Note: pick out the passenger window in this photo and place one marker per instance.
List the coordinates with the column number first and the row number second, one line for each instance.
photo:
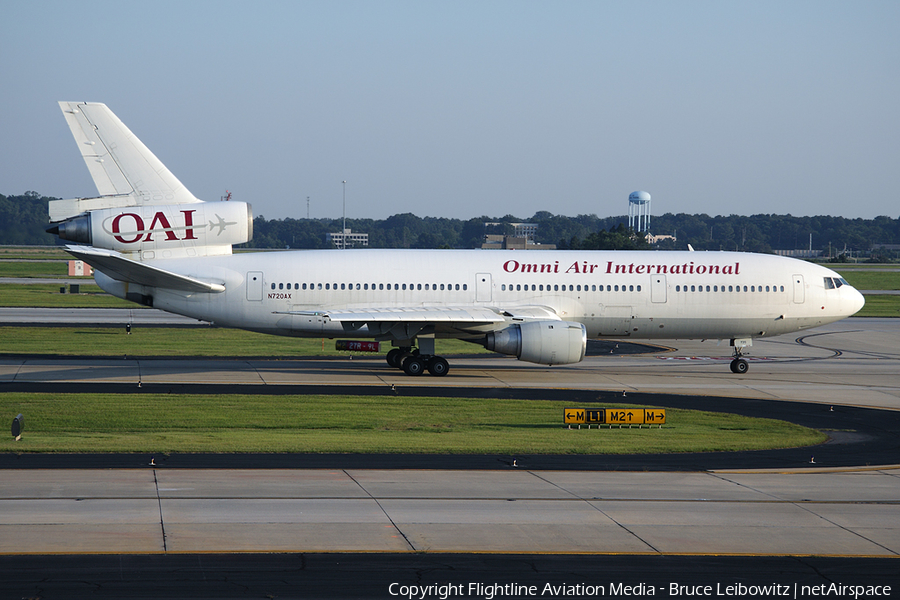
column 320, row 286
column 304, row 286
column 677, row 288
column 692, row 288
column 782, row 288
column 616, row 288
column 327, row 286
column 273, row 286
column 639, row 288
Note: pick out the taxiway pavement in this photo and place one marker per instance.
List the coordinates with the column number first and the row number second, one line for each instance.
column 796, row 512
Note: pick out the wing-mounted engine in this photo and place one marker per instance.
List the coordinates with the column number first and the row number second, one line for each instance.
column 541, row 342
column 169, row 231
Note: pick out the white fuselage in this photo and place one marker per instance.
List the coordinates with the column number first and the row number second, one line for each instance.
column 636, row 294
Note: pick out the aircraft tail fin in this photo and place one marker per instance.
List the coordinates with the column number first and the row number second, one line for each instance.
column 124, row 170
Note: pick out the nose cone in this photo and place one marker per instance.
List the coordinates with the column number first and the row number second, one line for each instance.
column 855, row 302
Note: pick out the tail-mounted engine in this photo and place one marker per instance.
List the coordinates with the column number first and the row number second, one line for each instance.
column 171, row 230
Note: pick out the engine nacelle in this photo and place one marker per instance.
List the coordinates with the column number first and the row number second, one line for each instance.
column 160, row 229
column 541, row 342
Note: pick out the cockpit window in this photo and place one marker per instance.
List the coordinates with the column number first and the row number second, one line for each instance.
column 840, row 281
column 834, row 282
column 829, row 283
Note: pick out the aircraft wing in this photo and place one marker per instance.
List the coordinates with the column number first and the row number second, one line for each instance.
column 120, row 268
column 468, row 315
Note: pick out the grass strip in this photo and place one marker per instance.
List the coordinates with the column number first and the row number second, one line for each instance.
column 342, row 424
column 47, row 295
column 872, row 280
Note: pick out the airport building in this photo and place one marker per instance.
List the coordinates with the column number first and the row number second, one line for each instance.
column 347, row 239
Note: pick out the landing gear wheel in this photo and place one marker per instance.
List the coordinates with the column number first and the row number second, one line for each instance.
column 394, row 356
column 739, row 365
column 413, row 365
column 438, row 366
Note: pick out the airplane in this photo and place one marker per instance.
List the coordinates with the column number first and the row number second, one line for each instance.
column 146, row 237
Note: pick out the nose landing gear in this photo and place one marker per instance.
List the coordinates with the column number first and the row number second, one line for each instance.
column 739, row 365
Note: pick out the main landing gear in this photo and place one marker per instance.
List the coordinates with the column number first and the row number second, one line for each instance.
column 414, row 363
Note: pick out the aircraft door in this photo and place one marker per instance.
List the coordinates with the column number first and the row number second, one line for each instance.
column 799, row 288
column 255, row 286
column 483, row 287
column 657, row 288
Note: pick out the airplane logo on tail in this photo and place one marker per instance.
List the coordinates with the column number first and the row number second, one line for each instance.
column 221, row 224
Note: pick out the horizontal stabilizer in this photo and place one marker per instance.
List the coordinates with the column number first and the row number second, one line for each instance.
column 124, row 269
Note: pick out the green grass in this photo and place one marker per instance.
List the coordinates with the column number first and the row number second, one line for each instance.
column 48, row 296
column 341, row 424
column 36, row 269
column 159, row 341
column 872, row 280
column 880, row 306
column 33, row 252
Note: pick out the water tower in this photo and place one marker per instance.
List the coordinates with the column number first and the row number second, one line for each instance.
column 639, row 211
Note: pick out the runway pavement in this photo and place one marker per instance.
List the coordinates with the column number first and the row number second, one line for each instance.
column 802, row 512
column 843, row 513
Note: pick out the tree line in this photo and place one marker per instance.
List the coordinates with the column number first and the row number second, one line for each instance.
column 23, row 220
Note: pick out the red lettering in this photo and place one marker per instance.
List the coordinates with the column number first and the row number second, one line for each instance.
column 189, row 224
column 511, row 266
column 138, row 223
column 160, row 218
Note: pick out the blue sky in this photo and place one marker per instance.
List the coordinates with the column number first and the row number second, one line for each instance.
column 462, row 109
